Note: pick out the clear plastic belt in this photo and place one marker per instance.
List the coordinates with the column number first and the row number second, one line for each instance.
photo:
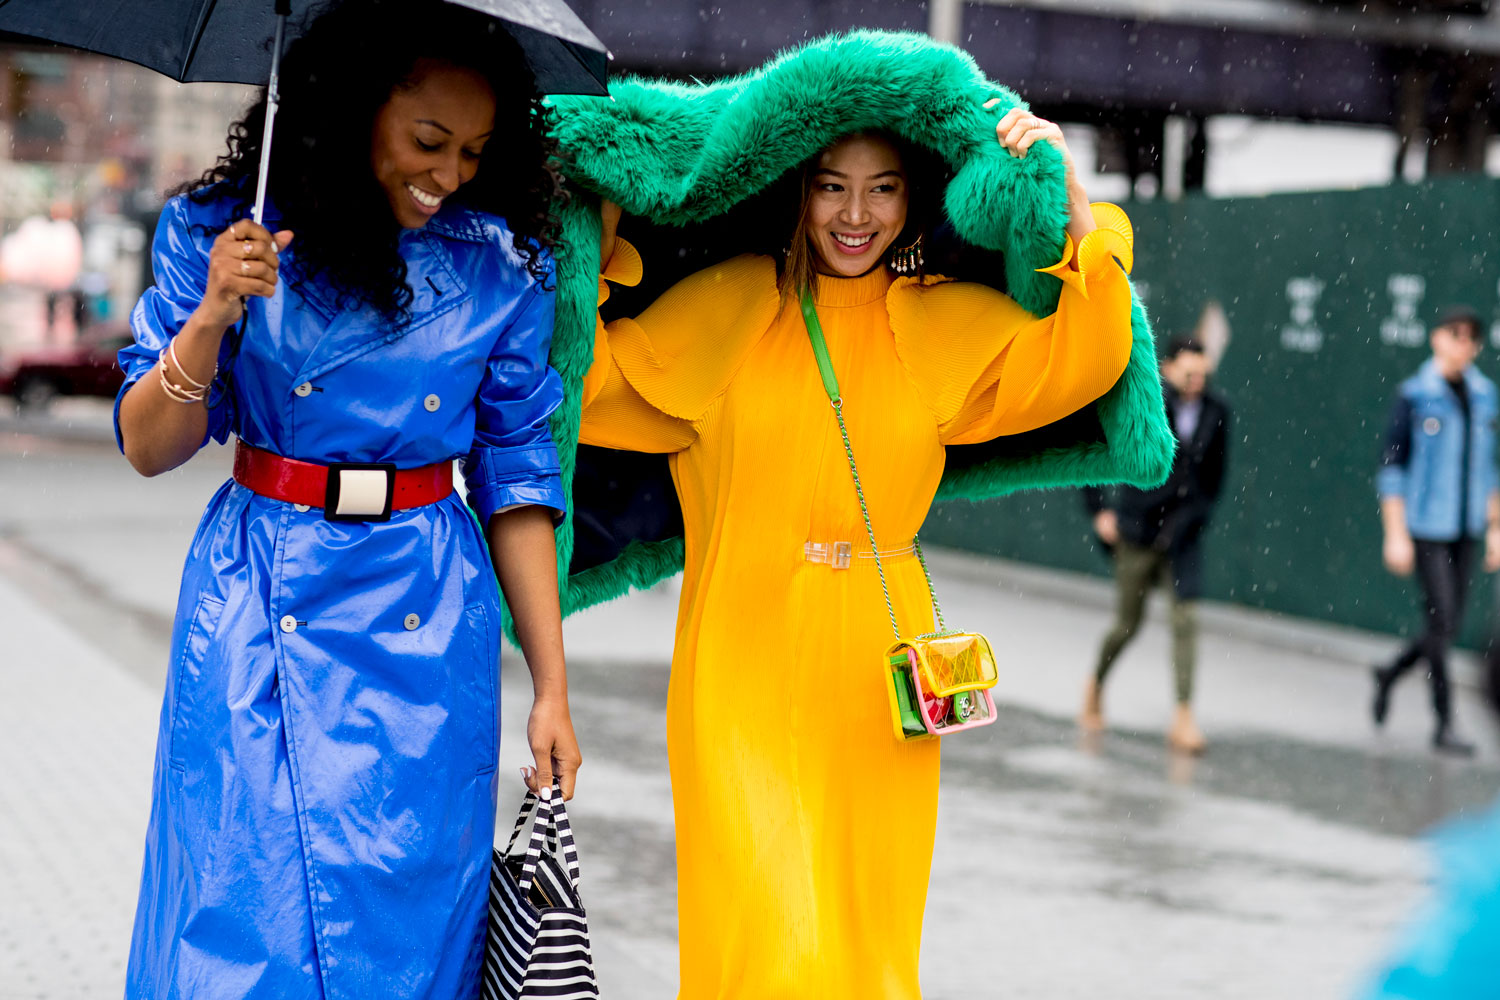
column 841, row 555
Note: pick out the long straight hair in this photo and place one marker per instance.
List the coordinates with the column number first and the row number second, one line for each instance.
column 800, row 270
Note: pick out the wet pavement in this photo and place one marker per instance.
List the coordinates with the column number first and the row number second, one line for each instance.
column 1278, row 865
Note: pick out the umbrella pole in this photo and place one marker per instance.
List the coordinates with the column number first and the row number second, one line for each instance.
column 273, row 98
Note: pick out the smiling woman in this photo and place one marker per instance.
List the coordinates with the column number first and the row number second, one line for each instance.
column 428, row 138
column 859, row 196
column 349, row 81
column 325, row 786
column 804, row 829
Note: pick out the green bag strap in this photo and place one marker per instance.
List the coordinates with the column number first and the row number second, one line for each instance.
column 820, row 350
column 831, row 386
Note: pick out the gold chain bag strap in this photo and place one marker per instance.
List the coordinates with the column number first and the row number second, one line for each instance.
column 938, row 682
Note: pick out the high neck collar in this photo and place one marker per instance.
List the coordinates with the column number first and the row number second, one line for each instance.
column 835, row 292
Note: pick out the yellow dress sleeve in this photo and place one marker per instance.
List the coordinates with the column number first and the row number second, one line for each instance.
column 615, row 415
column 988, row 368
column 654, row 376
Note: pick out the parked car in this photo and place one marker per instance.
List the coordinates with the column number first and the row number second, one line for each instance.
column 38, row 375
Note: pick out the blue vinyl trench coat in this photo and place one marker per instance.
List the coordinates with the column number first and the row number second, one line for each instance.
column 324, row 792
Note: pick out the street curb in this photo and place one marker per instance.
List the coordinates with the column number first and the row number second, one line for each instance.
column 79, row 422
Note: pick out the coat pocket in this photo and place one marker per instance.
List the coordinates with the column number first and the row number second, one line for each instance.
column 188, row 675
column 480, row 688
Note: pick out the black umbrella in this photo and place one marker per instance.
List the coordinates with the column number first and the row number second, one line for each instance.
column 221, row 41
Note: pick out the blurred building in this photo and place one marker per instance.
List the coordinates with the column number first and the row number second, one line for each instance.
column 69, row 122
column 189, row 127
column 97, row 141
column 79, row 128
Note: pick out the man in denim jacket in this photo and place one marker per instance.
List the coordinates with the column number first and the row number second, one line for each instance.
column 1439, row 494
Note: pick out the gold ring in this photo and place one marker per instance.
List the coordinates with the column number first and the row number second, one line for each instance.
column 249, row 248
column 244, row 267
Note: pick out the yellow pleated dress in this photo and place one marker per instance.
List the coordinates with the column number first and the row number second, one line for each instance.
column 804, row 828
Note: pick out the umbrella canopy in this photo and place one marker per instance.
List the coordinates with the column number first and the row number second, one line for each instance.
column 229, row 41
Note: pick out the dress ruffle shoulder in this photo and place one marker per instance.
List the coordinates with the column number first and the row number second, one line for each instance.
column 682, row 352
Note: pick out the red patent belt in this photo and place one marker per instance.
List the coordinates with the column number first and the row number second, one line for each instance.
column 347, row 491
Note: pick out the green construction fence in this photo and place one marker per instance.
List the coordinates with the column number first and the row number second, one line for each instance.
column 1325, row 299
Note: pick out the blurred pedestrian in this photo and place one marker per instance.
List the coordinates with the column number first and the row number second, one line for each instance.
column 1155, row 536
column 1439, row 497
column 1452, row 951
column 804, row 828
column 325, row 788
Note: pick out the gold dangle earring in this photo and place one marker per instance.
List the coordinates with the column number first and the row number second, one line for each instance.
column 907, row 260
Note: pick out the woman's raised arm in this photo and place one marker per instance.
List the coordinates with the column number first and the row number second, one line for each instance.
column 163, row 417
column 615, row 414
column 1018, row 131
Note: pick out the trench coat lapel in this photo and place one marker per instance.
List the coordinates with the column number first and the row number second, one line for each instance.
column 436, row 289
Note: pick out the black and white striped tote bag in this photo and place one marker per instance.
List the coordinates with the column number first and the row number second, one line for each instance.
column 538, row 944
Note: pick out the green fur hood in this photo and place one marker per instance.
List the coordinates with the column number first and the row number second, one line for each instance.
column 678, row 155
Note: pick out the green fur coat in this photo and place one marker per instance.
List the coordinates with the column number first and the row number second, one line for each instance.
column 679, row 155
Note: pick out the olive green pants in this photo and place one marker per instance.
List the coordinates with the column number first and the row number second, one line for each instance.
column 1137, row 570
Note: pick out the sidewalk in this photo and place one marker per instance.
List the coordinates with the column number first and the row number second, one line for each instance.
column 68, row 418
column 1115, row 872
column 76, row 738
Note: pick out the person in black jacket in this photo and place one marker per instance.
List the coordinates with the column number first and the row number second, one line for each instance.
column 1156, row 534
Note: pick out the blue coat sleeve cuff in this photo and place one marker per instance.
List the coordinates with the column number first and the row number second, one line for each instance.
column 1390, row 481
column 220, row 415
column 179, row 263
column 511, row 477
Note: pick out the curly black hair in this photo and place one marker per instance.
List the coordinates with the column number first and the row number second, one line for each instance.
column 335, row 78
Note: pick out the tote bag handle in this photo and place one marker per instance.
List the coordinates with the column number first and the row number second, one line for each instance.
column 549, row 828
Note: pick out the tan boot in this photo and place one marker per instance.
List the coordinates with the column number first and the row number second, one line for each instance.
column 1091, row 719
column 1185, row 736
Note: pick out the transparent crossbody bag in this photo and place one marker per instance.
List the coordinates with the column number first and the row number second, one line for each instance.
column 938, row 682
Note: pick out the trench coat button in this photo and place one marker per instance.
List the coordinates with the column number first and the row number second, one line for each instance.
column 411, row 622
column 305, row 389
column 432, row 403
column 288, row 623
column 301, row 508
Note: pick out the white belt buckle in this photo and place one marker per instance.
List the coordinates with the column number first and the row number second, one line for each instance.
column 359, row 492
